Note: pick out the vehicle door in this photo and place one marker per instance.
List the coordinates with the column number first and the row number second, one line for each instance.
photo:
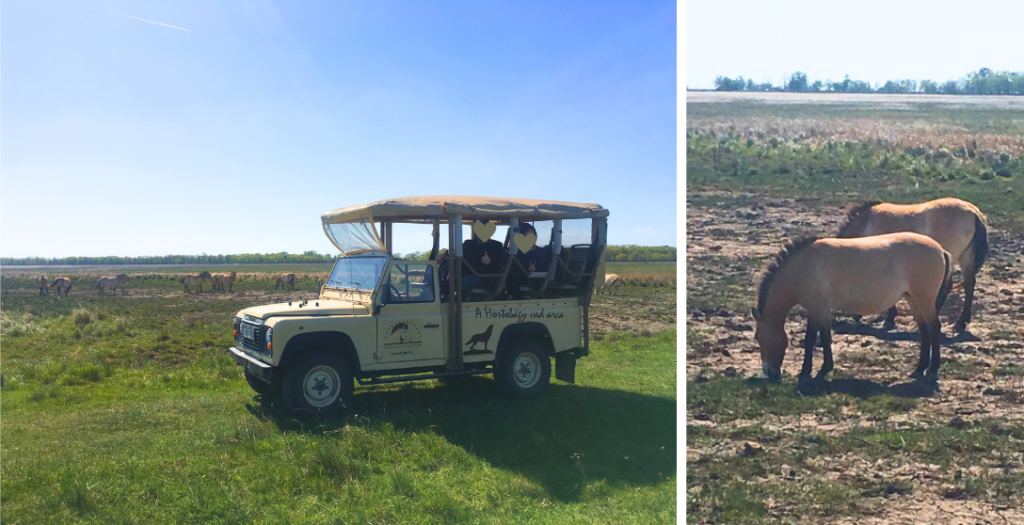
column 409, row 324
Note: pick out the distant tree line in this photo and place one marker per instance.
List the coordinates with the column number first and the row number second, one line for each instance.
column 627, row 252
column 245, row 258
column 632, row 252
column 982, row 82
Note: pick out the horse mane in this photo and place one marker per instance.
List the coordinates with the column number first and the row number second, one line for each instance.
column 856, row 212
column 785, row 254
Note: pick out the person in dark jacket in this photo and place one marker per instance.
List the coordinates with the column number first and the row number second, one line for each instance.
column 531, row 260
column 484, row 257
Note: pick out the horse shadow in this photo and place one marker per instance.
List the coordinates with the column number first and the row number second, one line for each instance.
column 864, row 388
column 570, row 436
column 851, row 328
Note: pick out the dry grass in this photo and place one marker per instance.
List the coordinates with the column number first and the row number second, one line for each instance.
column 933, row 137
column 649, row 280
column 17, row 324
column 81, row 317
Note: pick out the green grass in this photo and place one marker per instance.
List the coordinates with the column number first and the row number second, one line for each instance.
column 127, row 410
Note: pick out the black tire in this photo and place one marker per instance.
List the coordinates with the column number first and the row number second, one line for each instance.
column 264, row 389
column 524, row 369
column 318, row 384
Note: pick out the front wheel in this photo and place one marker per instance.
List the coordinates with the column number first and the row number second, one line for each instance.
column 524, row 370
column 318, row 384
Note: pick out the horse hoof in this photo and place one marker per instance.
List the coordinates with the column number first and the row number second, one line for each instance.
column 960, row 327
column 888, row 325
column 803, row 379
column 916, row 375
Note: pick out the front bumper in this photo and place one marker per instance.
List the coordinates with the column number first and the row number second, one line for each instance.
column 254, row 366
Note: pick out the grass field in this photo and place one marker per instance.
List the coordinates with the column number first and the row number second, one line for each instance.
column 126, row 409
column 867, row 446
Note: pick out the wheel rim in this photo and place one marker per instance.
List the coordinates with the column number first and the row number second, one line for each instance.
column 526, row 370
column 321, row 386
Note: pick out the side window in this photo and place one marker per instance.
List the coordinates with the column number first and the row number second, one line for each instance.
column 411, row 283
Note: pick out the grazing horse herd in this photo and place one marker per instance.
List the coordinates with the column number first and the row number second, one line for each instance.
column 218, row 280
column 883, row 252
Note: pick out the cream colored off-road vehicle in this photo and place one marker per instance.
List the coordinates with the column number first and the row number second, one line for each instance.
column 381, row 319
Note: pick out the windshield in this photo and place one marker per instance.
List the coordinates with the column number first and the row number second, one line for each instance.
column 357, row 273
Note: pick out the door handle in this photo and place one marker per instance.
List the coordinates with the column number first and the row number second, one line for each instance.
column 433, row 325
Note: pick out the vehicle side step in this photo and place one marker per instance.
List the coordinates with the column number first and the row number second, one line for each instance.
column 439, row 375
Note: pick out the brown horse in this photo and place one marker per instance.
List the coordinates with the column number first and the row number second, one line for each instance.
column 41, row 283
column 114, row 283
column 194, row 279
column 862, row 276
column 287, row 279
column 957, row 225
column 220, row 279
column 62, row 282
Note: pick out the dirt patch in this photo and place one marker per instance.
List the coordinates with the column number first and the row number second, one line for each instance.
column 642, row 313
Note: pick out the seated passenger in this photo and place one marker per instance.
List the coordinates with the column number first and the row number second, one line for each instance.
column 529, row 261
column 484, row 257
column 533, row 260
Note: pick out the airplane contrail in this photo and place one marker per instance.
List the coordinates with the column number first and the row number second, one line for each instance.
column 157, row 23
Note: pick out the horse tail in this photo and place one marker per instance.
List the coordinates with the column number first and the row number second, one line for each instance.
column 979, row 243
column 947, row 283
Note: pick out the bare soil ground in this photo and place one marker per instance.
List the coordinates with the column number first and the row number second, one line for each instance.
column 730, row 238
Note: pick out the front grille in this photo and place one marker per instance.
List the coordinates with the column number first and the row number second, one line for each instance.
column 259, row 342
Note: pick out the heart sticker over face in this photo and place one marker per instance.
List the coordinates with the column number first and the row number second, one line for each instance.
column 524, row 242
column 484, row 231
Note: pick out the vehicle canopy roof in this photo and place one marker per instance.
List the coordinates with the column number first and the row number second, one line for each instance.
column 429, row 209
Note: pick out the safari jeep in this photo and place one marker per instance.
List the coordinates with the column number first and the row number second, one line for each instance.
column 381, row 319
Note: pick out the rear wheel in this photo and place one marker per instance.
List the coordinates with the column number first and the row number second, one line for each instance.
column 261, row 387
column 318, row 384
column 524, row 370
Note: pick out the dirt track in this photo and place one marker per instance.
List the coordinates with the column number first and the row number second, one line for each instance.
column 728, row 246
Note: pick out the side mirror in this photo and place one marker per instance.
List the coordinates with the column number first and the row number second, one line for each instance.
column 376, row 309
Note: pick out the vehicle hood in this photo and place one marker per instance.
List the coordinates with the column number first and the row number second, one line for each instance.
column 326, row 307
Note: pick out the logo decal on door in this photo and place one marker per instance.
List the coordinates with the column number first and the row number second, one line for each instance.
column 404, row 334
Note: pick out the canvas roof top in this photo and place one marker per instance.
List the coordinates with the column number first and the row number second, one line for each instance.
column 426, row 209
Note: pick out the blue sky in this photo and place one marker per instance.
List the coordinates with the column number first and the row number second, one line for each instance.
column 872, row 40
column 233, row 130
